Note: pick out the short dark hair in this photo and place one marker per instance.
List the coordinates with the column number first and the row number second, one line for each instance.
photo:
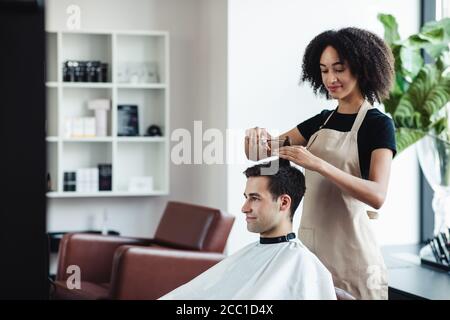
column 287, row 180
column 370, row 60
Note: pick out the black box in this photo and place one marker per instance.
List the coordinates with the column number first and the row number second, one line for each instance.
column 104, row 177
column 70, row 181
column 128, row 120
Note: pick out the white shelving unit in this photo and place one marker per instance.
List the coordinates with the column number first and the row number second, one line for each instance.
column 130, row 156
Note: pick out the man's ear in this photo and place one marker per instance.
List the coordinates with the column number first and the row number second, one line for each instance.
column 285, row 202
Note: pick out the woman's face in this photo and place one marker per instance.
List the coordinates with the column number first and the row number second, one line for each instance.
column 336, row 75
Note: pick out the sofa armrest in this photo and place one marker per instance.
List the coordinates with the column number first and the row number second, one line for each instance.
column 92, row 253
column 149, row 273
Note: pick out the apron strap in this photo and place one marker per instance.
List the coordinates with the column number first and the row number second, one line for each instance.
column 359, row 118
column 373, row 215
column 361, row 115
column 326, row 121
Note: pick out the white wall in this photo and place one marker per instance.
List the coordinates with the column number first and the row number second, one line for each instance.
column 244, row 54
column 211, row 97
column 198, row 39
column 266, row 42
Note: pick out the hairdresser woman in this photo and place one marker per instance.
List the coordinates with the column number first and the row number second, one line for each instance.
column 347, row 154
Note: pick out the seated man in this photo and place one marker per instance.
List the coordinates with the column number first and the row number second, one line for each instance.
column 278, row 266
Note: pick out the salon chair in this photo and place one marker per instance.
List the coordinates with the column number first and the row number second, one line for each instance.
column 141, row 273
column 183, row 226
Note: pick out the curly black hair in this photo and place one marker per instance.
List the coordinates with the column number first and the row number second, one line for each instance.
column 287, row 180
column 370, row 60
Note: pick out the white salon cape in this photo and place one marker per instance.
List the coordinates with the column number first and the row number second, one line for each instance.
column 278, row 271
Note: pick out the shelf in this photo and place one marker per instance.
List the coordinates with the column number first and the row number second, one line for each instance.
column 86, row 154
column 140, row 160
column 51, row 84
column 146, row 49
column 75, row 105
column 87, row 46
column 87, row 85
column 108, row 139
column 142, row 33
column 105, row 85
column 141, row 86
column 138, row 74
column 151, row 106
column 102, row 194
column 141, row 139
column 93, row 139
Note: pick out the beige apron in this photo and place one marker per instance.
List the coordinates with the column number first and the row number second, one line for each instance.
column 334, row 225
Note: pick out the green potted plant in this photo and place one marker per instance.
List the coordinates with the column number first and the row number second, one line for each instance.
column 418, row 103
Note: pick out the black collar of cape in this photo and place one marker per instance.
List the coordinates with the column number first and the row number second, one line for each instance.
column 285, row 238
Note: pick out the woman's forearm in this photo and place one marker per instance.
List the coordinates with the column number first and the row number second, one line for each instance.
column 369, row 192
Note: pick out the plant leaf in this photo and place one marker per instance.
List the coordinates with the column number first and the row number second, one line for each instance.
column 435, row 50
column 404, row 137
column 438, row 35
column 390, row 27
column 428, row 93
column 433, row 35
column 411, row 62
column 433, row 42
column 443, row 62
column 417, row 42
column 419, row 91
column 432, row 25
column 440, row 125
column 391, row 103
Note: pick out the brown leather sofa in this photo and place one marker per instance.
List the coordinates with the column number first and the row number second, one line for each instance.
column 141, row 273
column 182, row 227
column 94, row 255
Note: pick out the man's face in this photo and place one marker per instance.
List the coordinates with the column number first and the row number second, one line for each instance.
column 262, row 212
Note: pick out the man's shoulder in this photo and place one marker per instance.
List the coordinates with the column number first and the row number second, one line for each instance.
column 244, row 249
column 306, row 256
column 301, row 250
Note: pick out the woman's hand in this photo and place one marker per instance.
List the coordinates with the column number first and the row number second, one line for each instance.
column 300, row 156
column 256, row 143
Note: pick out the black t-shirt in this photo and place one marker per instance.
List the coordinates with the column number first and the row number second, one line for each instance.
column 376, row 131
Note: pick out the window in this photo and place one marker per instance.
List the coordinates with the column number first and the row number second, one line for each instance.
column 442, row 9
column 431, row 10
